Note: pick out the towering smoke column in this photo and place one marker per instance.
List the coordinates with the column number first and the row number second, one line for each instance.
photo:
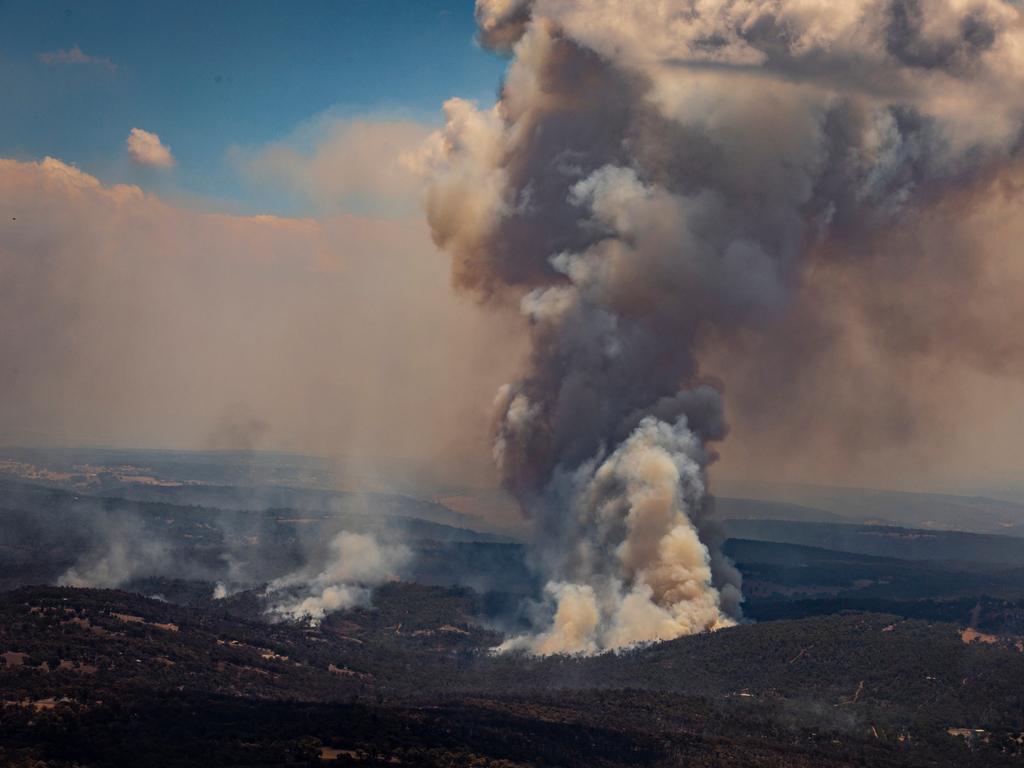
column 658, row 172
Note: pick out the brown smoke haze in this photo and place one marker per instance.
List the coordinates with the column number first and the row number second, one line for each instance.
column 901, row 362
column 127, row 320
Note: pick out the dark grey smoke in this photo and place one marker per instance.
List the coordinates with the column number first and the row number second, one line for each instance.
column 656, row 174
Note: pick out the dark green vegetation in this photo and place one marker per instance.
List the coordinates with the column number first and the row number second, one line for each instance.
column 98, row 677
column 870, row 644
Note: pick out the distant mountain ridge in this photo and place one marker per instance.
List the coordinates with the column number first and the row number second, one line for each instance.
column 884, row 541
column 932, row 511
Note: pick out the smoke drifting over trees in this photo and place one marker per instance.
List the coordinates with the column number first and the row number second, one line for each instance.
column 358, row 561
column 658, row 178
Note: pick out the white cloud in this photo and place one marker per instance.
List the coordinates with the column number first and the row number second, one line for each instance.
column 145, row 148
column 75, row 55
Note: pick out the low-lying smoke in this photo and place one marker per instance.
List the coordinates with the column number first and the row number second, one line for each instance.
column 122, row 550
column 358, row 562
column 306, row 562
column 656, row 175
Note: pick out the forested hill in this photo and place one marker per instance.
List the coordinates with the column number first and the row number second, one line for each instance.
column 103, row 677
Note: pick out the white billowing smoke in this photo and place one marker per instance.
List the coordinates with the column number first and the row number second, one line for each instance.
column 358, row 563
column 639, row 504
column 123, row 551
column 655, row 174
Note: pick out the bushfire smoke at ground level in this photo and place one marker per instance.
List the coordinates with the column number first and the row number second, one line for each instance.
column 129, row 320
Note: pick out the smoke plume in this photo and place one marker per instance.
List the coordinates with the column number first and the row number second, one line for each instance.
column 123, row 550
column 658, row 175
column 358, row 562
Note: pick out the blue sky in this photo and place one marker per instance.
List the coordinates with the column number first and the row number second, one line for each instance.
column 209, row 76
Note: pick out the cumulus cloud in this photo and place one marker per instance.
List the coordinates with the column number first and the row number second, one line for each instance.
column 75, row 55
column 145, row 148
